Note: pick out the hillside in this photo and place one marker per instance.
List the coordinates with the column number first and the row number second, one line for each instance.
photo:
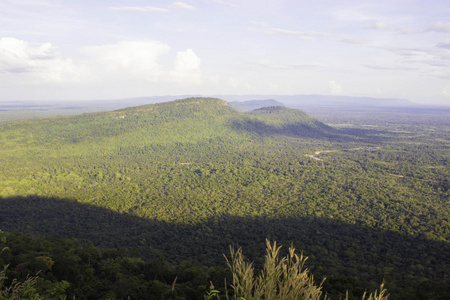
column 289, row 119
column 187, row 178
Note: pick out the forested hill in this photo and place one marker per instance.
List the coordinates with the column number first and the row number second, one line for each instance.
column 283, row 117
column 84, row 157
column 187, row 178
column 187, row 120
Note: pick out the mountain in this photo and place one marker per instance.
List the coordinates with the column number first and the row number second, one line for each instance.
column 187, row 178
column 285, row 117
column 279, row 120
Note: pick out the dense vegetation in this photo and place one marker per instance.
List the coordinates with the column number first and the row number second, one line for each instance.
column 185, row 179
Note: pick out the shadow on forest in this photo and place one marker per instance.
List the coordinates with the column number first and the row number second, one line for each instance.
column 318, row 131
column 334, row 247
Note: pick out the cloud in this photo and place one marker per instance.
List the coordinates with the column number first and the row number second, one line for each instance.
column 304, row 35
column 133, row 66
column 388, row 68
column 377, row 26
column 268, row 30
column 182, row 5
column 281, row 66
column 335, row 88
column 31, row 3
column 139, row 8
column 128, row 58
column 431, row 56
column 129, row 62
column 298, row 34
column 354, row 41
column 238, row 84
column 186, row 69
column 225, row 3
column 441, row 27
column 409, row 52
column 445, row 91
column 39, row 62
column 382, row 26
column 350, row 15
column 375, row 21
column 445, row 45
column 176, row 5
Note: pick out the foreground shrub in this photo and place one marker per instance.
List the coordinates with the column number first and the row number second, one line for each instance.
column 284, row 278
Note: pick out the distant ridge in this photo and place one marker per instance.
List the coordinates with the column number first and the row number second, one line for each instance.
column 14, row 110
column 248, row 102
column 253, row 104
column 299, row 101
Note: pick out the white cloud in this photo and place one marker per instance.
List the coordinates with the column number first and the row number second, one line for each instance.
column 445, row 91
column 335, row 88
column 139, row 8
column 382, row 26
column 234, row 83
column 238, row 84
column 225, row 3
column 389, row 68
column 283, row 66
column 303, row 35
column 299, row 34
column 187, row 68
column 438, row 58
column 350, row 15
column 128, row 58
column 378, row 26
column 444, row 45
column 441, row 27
column 124, row 68
column 182, row 5
column 31, row 2
column 266, row 29
column 37, row 62
column 132, row 63
column 354, row 40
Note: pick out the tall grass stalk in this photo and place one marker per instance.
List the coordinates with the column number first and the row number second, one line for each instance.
column 281, row 278
column 284, row 278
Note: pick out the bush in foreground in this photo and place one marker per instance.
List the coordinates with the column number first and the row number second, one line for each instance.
column 280, row 278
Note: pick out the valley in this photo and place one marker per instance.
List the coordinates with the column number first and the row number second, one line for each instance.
column 365, row 195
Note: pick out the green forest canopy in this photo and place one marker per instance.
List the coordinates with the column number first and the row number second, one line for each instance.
column 187, row 178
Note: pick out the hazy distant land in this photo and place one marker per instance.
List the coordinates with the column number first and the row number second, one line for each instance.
column 312, row 104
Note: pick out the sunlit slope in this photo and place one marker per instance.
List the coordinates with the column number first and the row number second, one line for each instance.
column 126, row 159
column 167, row 122
column 130, row 133
column 185, row 121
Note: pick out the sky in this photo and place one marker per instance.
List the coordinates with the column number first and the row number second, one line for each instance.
column 111, row 49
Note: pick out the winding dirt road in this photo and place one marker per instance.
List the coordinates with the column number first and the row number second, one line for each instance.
column 314, row 156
